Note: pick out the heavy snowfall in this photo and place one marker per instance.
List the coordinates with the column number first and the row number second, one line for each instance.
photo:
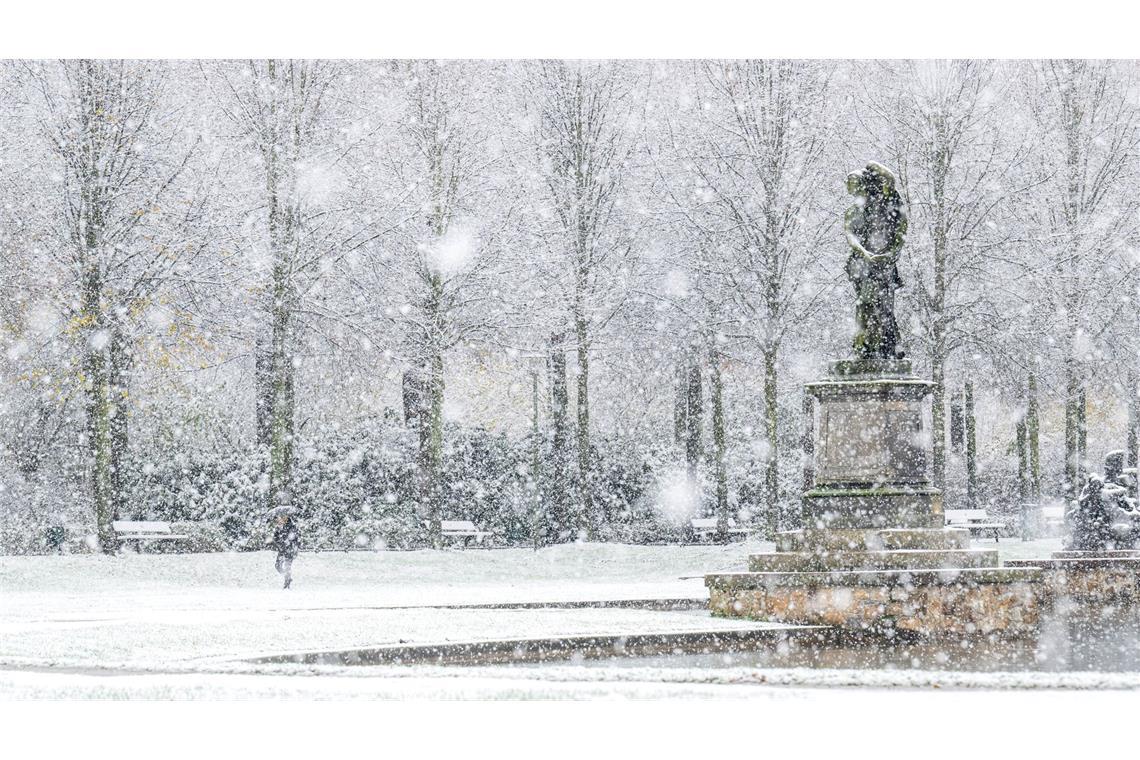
column 478, row 341
column 564, row 301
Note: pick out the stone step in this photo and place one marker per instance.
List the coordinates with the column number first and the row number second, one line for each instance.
column 872, row 540
column 934, row 603
column 898, row 559
column 1103, row 554
column 936, row 538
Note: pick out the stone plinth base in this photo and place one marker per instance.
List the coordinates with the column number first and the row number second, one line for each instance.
column 1109, row 577
column 882, row 539
column 874, row 553
column 896, row 559
column 923, row 602
column 865, row 507
column 874, row 368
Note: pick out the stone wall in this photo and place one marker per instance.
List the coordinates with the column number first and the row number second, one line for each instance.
column 933, row 609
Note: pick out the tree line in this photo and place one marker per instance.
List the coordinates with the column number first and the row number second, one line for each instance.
column 595, row 260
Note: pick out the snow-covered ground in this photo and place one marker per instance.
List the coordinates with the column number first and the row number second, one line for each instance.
column 165, row 625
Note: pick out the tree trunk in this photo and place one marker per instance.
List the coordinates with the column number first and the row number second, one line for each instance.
column 282, row 239
column 1033, row 431
column 694, row 416
column 97, row 381
column 771, row 429
column 807, row 443
column 1082, row 438
column 281, row 417
column 536, row 528
column 120, row 367
column 586, row 518
column 971, row 450
column 1023, row 478
column 263, row 388
column 680, row 406
column 431, row 462
column 957, row 428
column 938, row 423
column 1071, row 455
column 1133, row 444
column 941, row 169
column 99, row 430
column 717, row 382
column 413, row 394
column 559, row 403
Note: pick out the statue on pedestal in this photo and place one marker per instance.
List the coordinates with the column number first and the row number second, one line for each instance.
column 876, row 230
column 1104, row 517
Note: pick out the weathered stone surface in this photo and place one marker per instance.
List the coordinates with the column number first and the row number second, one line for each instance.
column 937, row 538
column 903, row 578
column 870, row 368
column 1006, row 605
column 870, row 467
column 865, row 440
column 875, row 539
column 1106, row 554
column 851, row 507
column 1099, row 577
column 870, row 387
column 897, row 559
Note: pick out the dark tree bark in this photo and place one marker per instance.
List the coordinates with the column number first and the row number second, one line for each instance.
column 717, row 382
column 694, row 415
column 1082, row 437
column 1033, row 433
column 1133, row 442
column 680, row 406
column 771, row 433
column 121, row 360
column 561, row 526
column 807, row 443
column 971, row 449
column 1020, row 441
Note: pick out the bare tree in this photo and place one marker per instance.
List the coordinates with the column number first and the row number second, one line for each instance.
column 938, row 123
column 1076, row 223
column 584, row 138
column 756, row 148
column 431, row 269
column 281, row 111
column 120, row 156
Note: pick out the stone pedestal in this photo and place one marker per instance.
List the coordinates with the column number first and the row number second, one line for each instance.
column 874, row 551
column 870, row 446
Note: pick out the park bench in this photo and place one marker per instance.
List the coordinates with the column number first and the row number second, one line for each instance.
column 145, row 530
column 462, row 529
column 973, row 520
column 704, row 528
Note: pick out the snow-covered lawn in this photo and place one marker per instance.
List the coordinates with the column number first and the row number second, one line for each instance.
column 170, row 611
column 183, row 625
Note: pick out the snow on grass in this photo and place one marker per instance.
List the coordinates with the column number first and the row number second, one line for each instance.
column 168, row 610
column 193, row 619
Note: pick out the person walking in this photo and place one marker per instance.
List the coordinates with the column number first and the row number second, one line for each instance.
column 286, row 537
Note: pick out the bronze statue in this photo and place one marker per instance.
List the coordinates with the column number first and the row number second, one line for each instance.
column 876, row 230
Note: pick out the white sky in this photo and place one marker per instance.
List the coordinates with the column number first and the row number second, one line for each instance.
column 572, row 28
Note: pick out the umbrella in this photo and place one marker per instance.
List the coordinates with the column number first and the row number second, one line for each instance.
column 276, row 512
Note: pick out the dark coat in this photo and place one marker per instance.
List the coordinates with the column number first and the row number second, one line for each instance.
column 287, row 538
